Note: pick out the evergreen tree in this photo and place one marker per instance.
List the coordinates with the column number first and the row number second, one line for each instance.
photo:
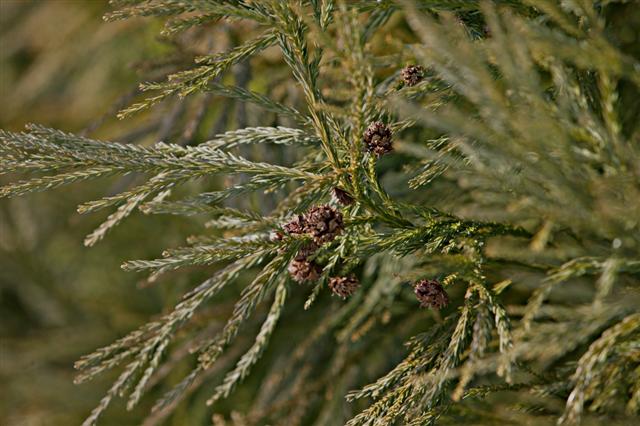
column 420, row 212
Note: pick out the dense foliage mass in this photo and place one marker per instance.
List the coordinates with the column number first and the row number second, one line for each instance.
column 420, row 212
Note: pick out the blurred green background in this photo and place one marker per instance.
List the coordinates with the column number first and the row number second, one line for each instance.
column 62, row 66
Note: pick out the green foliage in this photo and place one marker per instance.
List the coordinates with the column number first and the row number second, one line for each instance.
column 515, row 180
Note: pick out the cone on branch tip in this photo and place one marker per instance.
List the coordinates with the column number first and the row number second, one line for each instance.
column 344, row 286
column 412, row 75
column 431, row 294
column 378, row 138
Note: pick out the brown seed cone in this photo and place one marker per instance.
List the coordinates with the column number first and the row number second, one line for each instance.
column 378, row 138
column 302, row 270
column 342, row 196
column 431, row 294
column 344, row 286
column 324, row 223
column 296, row 225
column 412, row 75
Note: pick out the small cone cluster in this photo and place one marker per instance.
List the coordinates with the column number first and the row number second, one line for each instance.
column 323, row 224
